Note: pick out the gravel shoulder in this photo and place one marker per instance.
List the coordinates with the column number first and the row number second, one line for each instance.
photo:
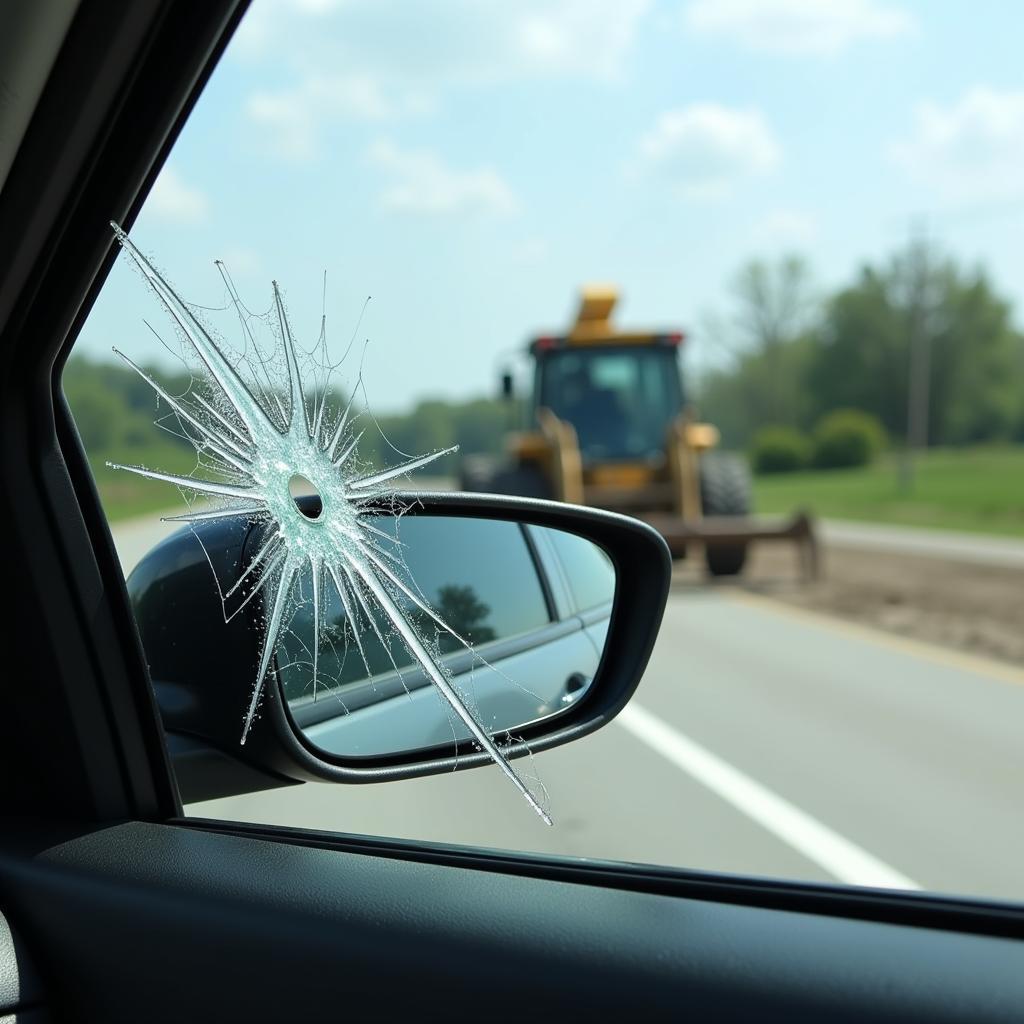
column 973, row 608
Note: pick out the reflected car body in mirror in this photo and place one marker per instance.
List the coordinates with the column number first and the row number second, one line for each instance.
column 528, row 608
column 563, row 654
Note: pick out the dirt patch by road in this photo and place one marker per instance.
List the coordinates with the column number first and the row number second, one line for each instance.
column 972, row 608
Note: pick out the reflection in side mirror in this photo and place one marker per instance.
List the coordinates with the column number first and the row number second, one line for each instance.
column 527, row 608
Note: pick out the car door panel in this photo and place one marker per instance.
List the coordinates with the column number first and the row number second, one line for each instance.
column 158, row 922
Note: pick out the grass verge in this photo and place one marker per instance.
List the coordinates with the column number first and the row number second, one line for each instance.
column 975, row 489
column 125, row 495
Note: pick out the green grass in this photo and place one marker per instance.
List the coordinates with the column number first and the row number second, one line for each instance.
column 975, row 489
column 124, row 494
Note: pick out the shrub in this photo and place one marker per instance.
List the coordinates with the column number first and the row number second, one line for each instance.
column 779, row 450
column 847, row 437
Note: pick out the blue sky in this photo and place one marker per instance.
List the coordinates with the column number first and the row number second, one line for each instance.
column 469, row 165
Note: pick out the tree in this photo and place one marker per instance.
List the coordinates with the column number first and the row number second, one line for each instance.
column 476, row 426
column 462, row 609
column 114, row 408
column 774, row 302
column 968, row 353
column 760, row 389
column 769, row 335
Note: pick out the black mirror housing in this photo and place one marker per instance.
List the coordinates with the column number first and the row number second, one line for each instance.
column 203, row 668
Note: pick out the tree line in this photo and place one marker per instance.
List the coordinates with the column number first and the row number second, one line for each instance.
column 114, row 407
column 114, row 410
column 794, row 356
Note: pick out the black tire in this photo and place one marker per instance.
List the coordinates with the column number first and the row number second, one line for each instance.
column 725, row 491
column 521, row 481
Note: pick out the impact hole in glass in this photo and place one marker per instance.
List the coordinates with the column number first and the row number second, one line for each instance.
column 306, row 497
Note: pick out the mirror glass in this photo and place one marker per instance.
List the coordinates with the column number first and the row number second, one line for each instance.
column 526, row 610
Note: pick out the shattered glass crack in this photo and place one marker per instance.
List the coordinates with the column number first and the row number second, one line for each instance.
column 254, row 438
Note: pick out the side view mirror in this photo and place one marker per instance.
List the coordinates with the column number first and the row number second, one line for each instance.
column 550, row 610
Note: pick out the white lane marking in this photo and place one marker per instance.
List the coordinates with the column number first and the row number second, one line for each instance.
column 818, row 843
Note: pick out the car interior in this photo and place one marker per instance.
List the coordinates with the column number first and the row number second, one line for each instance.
column 115, row 906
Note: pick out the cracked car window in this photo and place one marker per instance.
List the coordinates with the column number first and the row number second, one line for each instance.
column 748, row 271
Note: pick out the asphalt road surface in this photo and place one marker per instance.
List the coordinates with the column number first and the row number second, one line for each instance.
column 763, row 740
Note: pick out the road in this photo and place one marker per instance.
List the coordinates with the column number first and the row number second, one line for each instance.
column 763, row 740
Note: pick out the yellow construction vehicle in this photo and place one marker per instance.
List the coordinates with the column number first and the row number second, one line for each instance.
column 610, row 427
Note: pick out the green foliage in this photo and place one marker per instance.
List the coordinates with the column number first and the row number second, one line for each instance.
column 124, row 495
column 847, row 437
column 463, row 610
column 976, row 376
column 771, row 334
column 114, row 408
column 762, row 387
column 972, row 488
column 794, row 361
column 477, row 426
column 779, row 450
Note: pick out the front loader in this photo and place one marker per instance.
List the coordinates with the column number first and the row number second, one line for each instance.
column 611, row 428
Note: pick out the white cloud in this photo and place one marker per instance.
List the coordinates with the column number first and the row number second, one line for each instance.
column 784, row 229
column 448, row 39
column 171, row 199
column 972, row 150
column 315, row 6
column 291, row 118
column 242, row 261
column 442, row 45
column 263, row 21
column 706, row 149
column 587, row 37
column 819, row 27
column 289, row 126
column 420, row 182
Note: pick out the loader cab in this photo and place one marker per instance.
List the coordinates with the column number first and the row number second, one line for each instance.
column 621, row 398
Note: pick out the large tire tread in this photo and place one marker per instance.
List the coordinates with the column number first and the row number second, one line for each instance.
column 725, row 491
